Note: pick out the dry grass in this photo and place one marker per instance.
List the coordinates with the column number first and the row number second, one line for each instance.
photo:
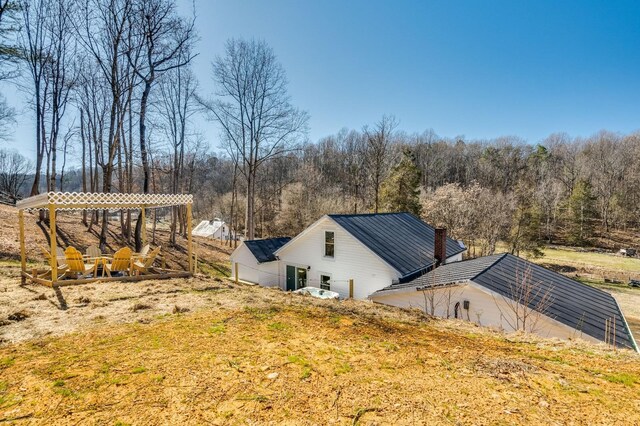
column 205, row 350
column 256, row 355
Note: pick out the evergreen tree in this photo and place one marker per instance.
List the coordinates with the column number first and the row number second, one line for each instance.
column 581, row 210
column 526, row 230
column 401, row 190
column 9, row 26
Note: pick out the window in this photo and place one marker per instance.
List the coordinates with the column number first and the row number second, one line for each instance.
column 329, row 243
column 324, row 282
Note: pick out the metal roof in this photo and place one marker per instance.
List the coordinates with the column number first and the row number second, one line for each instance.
column 577, row 305
column 400, row 239
column 572, row 303
column 449, row 273
column 263, row 250
column 207, row 228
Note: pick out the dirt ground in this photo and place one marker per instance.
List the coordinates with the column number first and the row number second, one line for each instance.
column 249, row 355
column 34, row 311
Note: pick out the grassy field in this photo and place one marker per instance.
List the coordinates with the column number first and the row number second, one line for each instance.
column 581, row 259
column 263, row 356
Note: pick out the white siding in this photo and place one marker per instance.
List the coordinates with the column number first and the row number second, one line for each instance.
column 250, row 270
column 352, row 260
column 485, row 308
column 455, row 258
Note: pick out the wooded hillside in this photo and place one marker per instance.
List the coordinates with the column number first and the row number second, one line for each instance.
column 114, row 99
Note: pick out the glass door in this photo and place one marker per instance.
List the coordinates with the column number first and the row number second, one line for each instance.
column 302, row 278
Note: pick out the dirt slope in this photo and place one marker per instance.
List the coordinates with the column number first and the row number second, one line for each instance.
column 207, row 351
column 255, row 355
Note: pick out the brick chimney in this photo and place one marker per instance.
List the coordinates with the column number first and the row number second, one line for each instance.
column 440, row 249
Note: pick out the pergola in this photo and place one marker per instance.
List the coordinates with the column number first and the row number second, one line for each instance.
column 55, row 201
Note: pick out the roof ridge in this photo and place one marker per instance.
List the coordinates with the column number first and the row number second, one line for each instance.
column 367, row 214
column 499, row 258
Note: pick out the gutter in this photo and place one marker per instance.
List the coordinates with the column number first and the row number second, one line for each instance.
column 408, row 289
column 624, row 320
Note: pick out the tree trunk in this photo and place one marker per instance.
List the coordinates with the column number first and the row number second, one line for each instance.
column 84, row 162
column 249, row 226
column 143, row 154
column 35, row 188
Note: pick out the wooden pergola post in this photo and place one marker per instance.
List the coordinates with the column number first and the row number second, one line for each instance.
column 189, row 242
column 54, row 244
column 144, row 225
column 23, row 254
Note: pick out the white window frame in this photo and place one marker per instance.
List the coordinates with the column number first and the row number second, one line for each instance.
column 324, row 274
column 324, row 244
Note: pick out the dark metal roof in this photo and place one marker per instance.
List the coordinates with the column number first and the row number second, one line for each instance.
column 570, row 302
column 449, row 273
column 263, row 249
column 401, row 239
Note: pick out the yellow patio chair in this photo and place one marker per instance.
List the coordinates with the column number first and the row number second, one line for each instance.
column 145, row 250
column 60, row 258
column 144, row 265
column 121, row 262
column 76, row 265
column 93, row 252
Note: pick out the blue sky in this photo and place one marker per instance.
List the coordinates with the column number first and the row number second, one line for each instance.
column 481, row 69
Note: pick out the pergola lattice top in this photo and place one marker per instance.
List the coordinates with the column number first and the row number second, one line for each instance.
column 99, row 201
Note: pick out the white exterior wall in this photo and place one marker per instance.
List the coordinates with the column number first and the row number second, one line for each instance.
column 222, row 233
column 212, row 229
column 456, row 258
column 250, row 270
column 352, row 260
column 486, row 308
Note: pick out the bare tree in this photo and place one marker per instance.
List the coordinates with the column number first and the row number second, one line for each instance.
column 14, row 169
column 527, row 301
column 102, row 28
column 6, row 119
column 8, row 59
column 60, row 76
column 158, row 41
column 437, row 295
column 608, row 160
column 353, row 148
column 176, row 107
column 379, row 140
column 254, row 111
column 35, row 49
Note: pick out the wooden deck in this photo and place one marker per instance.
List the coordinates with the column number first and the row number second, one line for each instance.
column 160, row 275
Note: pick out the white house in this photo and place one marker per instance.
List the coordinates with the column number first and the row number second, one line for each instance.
column 255, row 262
column 509, row 293
column 356, row 255
column 398, row 260
column 215, row 229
